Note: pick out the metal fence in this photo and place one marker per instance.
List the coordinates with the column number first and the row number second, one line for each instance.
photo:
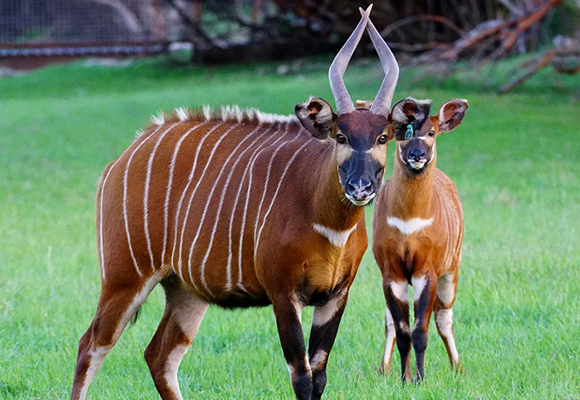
column 81, row 27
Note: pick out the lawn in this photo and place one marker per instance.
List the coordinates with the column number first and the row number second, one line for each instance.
column 515, row 161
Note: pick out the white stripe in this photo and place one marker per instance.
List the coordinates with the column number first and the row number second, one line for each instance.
column 337, row 238
column 223, row 195
column 125, row 215
column 102, row 252
column 265, row 190
column 169, row 185
column 177, row 268
column 250, row 161
column 250, row 188
column 410, row 226
column 200, row 224
column 276, row 193
column 146, row 196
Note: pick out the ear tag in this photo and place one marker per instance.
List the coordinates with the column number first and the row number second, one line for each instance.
column 409, row 133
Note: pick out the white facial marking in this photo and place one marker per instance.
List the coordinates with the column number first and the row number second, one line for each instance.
column 433, row 151
column 400, row 290
column 360, row 202
column 410, row 226
column 400, row 151
column 419, row 284
column 417, row 164
column 343, row 153
column 444, row 319
column 446, row 289
column 337, row 238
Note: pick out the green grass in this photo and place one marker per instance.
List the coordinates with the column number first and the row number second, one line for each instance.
column 515, row 161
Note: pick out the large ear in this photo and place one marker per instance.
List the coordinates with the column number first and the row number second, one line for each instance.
column 451, row 114
column 408, row 111
column 316, row 116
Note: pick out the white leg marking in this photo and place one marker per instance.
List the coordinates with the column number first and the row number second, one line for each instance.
column 418, row 283
column 125, row 214
column 171, row 368
column 257, row 245
column 207, row 203
column 223, row 195
column 188, row 312
column 317, row 361
column 337, row 238
column 390, row 338
column 444, row 319
column 169, row 185
column 400, row 290
column 254, row 155
column 146, row 196
column 292, row 370
column 410, row 226
column 136, row 303
column 323, row 314
column 180, row 203
column 97, row 357
column 446, row 289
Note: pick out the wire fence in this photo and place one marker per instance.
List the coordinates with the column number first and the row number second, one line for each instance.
column 81, row 27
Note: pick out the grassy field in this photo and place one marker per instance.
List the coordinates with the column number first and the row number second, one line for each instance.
column 515, row 161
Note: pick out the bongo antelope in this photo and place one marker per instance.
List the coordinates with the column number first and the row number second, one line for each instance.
column 417, row 233
column 240, row 208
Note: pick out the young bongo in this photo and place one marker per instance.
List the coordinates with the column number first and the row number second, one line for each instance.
column 418, row 232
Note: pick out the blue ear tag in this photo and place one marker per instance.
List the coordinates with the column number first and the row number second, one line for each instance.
column 409, row 133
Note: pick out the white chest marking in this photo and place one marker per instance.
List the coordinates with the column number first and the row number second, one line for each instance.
column 337, row 238
column 410, row 226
